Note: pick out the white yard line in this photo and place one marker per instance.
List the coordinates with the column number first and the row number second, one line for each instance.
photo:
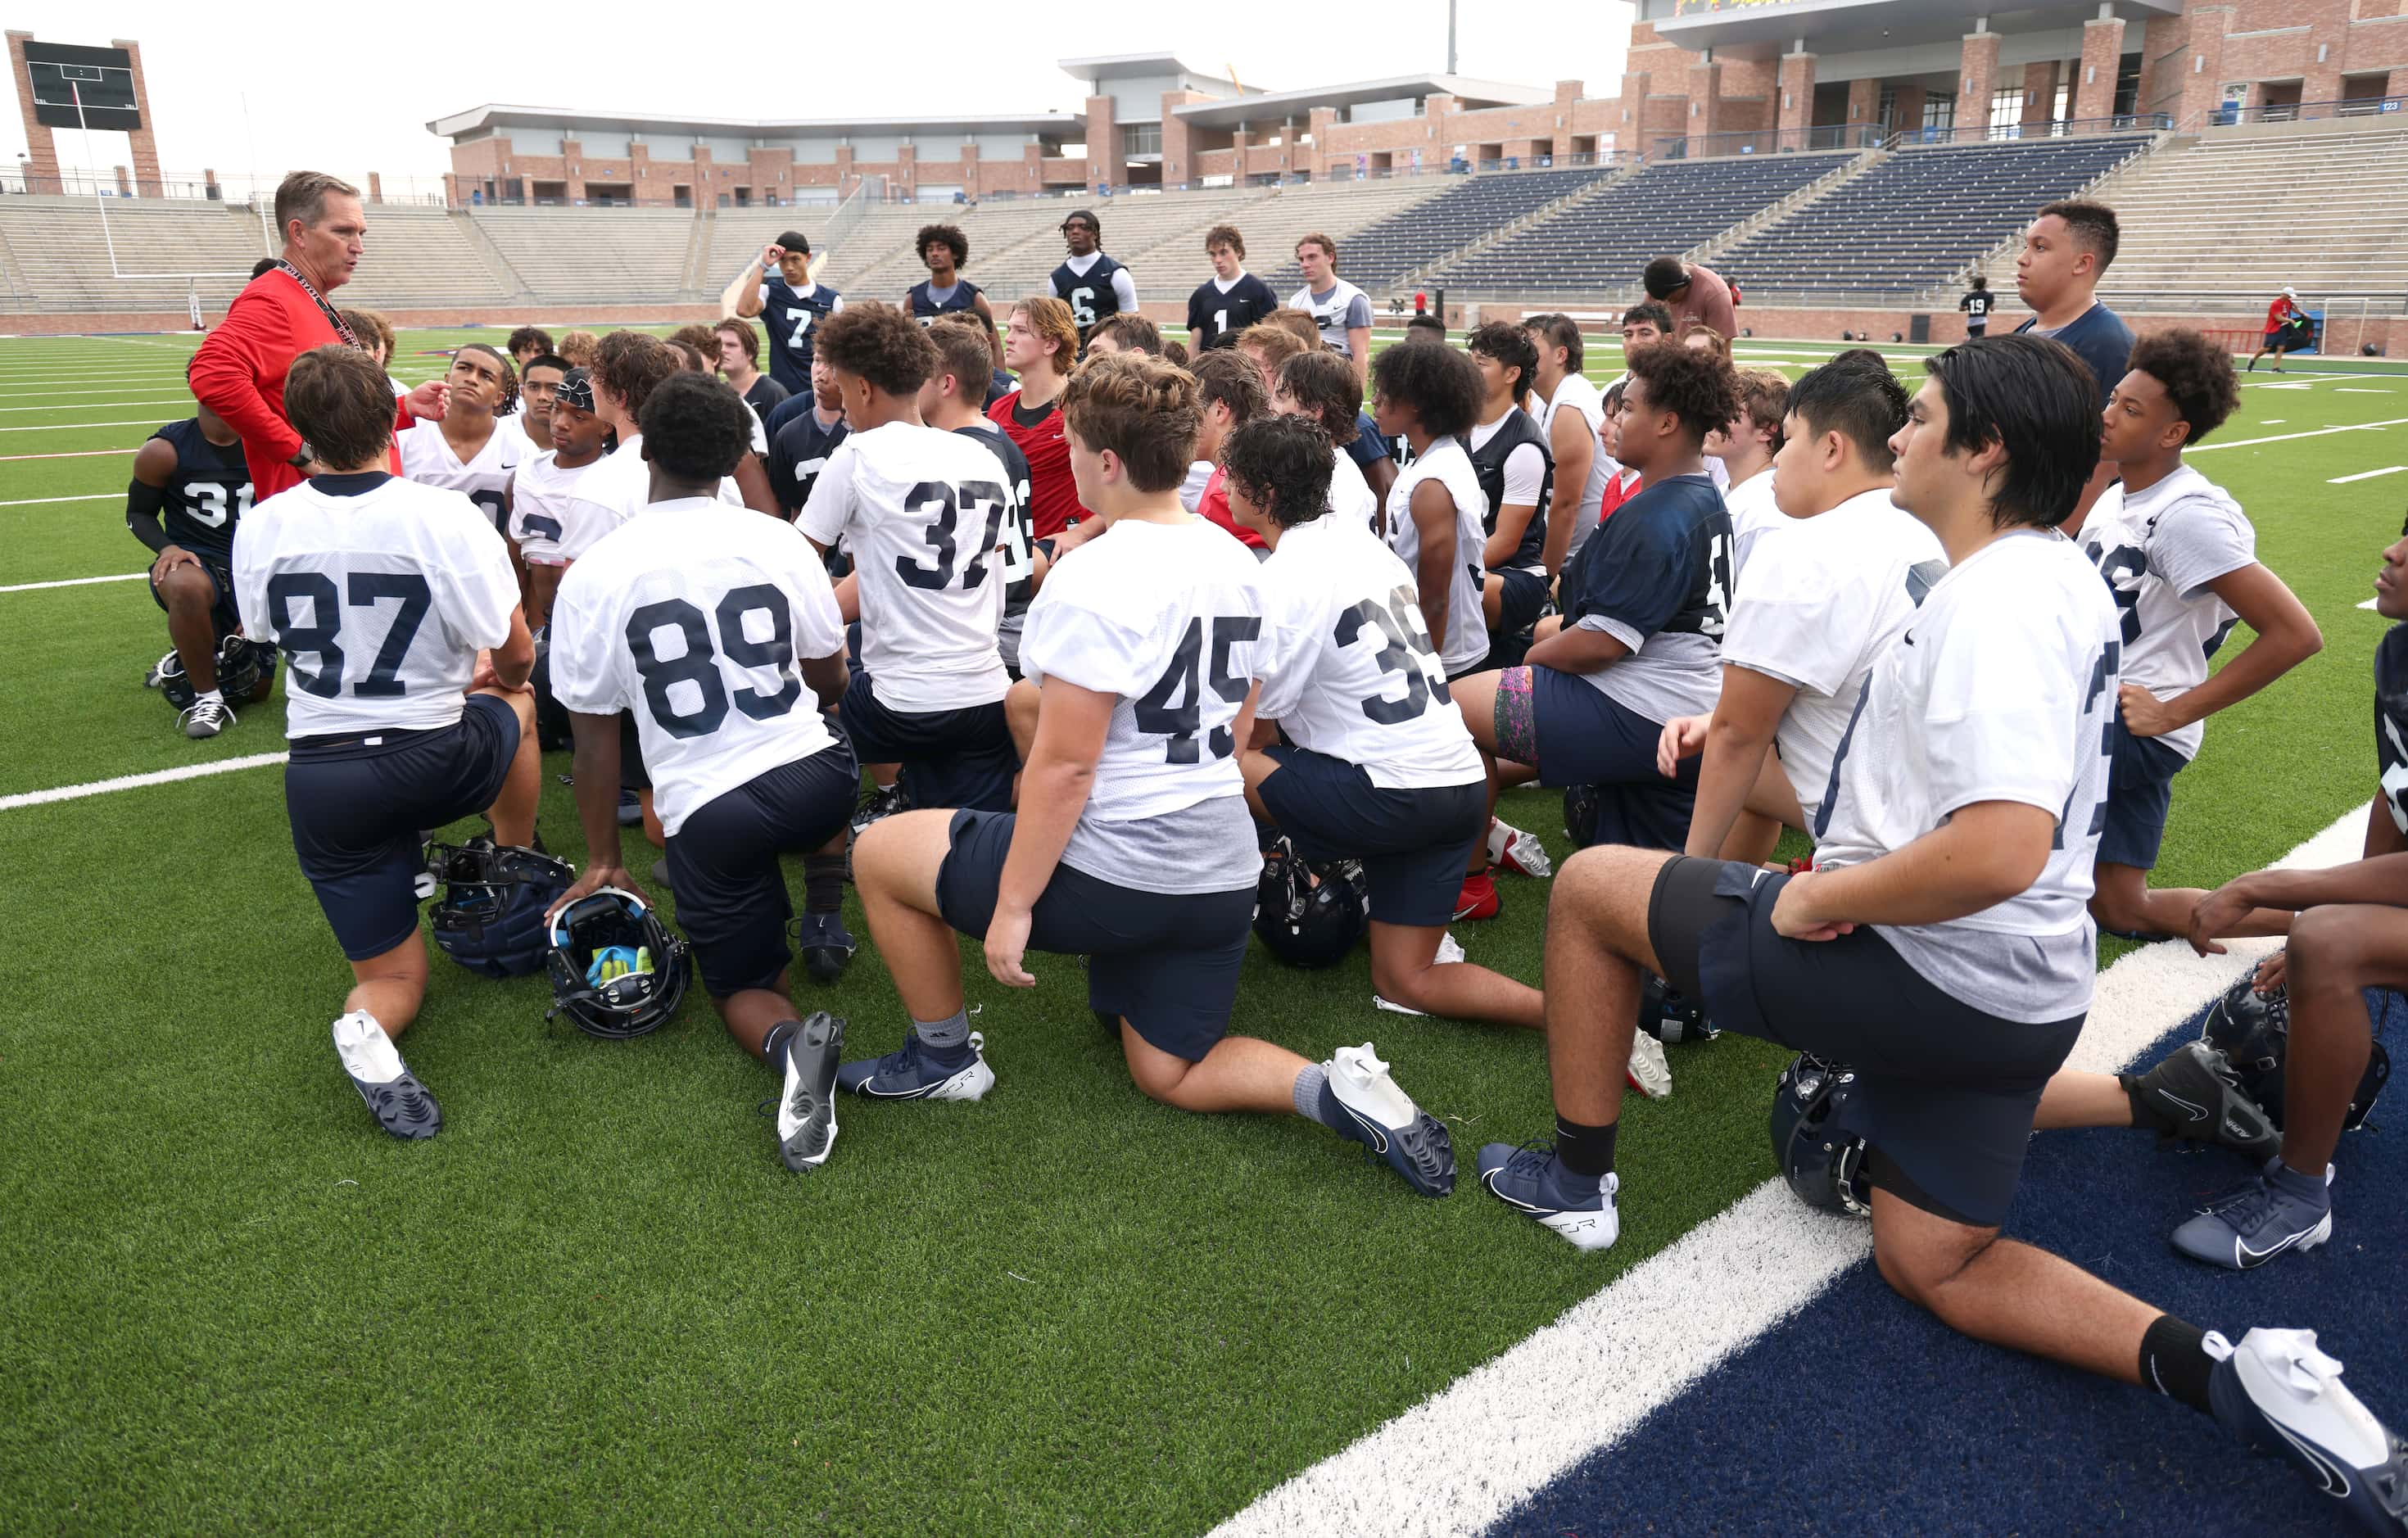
column 2286, row 438
column 2345, row 480
column 76, row 581
column 1461, row 1460
column 76, row 426
column 138, row 782
column 121, row 405
column 45, row 501
column 87, row 454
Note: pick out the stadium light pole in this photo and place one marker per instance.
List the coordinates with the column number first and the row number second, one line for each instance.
column 1450, row 36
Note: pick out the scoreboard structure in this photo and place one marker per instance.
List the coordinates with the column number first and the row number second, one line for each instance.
column 76, row 87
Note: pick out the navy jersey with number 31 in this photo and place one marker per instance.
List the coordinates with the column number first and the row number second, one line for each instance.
column 209, row 493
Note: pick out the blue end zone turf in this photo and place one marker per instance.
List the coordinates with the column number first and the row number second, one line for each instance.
column 1863, row 1415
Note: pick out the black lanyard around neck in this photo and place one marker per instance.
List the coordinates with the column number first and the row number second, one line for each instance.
column 342, row 328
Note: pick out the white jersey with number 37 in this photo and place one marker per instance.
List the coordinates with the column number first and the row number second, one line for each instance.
column 1347, row 666
column 1169, row 617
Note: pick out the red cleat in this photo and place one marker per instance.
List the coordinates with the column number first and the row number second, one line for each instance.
column 1477, row 899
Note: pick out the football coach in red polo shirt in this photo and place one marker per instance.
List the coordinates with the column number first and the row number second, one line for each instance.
column 239, row 372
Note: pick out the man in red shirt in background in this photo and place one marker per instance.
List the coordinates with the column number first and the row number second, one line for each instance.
column 2288, row 329
column 239, row 370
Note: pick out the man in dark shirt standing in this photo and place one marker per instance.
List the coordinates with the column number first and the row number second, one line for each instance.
column 2067, row 250
column 1977, row 304
column 1231, row 299
column 779, row 289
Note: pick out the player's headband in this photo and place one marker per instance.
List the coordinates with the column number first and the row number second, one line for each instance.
column 575, row 389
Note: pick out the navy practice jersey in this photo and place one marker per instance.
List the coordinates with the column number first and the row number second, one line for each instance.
column 798, row 454
column 1488, row 463
column 924, row 307
column 790, row 316
column 1214, row 318
column 2391, row 722
column 1977, row 304
column 1660, row 585
column 1089, row 294
column 209, row 493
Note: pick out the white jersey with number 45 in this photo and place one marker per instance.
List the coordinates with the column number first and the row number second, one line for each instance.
column 697, row 617
column 1347, row 666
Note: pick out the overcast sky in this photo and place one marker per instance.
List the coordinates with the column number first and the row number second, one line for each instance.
column 348, row 88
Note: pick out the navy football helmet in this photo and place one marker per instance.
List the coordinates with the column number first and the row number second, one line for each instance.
column 242, row 666
column 1308, row 914
column 1580, row 814
column 1671, row 1015
column 617, row 970
column 2253, row 1032
column 1816, row 1137
column 489, row 903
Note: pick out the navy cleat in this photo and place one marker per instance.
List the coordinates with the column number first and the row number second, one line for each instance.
column 394, row 1095
column 1529, row 1177
column 915, row 1072
column 1361, row 1102
column 2276, row 1211
column 827, row 945
column 2197, row 1092
column 2282, row 1395
column 806, row 1106
column 880, row 802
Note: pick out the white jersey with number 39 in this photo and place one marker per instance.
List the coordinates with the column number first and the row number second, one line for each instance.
column 1347, row 666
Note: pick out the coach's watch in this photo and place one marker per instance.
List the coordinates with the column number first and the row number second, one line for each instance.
column 303, row 456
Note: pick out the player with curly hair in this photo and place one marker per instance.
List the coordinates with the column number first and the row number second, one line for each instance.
column 944, row 250
column 1436, row 511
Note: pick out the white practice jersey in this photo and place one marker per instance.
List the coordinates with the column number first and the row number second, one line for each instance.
column 1351, row 498
column 379, row 602
column 618, row 487
column 1830, row 602
column 426, row 458
column 1575, row 393
column 1347, row 666
column 1336, row 312
column 1446, row 462
column 2000, row 689
column 523, row 446
column 2159, row 551
column 552, row 524
column 697, row 617
column 1170, row 618
column 1754, row 515
column 923, row 512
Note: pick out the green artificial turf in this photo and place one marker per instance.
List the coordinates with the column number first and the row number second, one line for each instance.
column 597, row 1301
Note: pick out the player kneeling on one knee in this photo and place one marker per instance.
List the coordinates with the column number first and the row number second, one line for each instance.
column 1941, row 947
column 189, row 492
column 716, row 628
column 1378, row 766
column 397, row 610
column 1133, row 846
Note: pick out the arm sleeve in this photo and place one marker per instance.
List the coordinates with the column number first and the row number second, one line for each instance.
column 2197, row 541
column 836, row 303
column 819, row 628
column 1631, row 576
column 1124, row 289
column 1196, row 309
column 225, row 372
column 144, row 504
column 1284, row 660
column 830, row 509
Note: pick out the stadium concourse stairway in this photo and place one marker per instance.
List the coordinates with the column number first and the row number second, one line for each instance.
column 2227, row 222
column 1385, row 251
column 1921, row 218
column 1603, row 242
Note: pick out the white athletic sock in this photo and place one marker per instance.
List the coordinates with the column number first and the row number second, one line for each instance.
column 368, row 1054
column 208, row 695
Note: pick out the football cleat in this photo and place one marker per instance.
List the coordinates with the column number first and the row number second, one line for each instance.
column 1578, row 1208
column 880, row 802
column 2282, row 1395
column 2199, row 1094
column 807, row 1108
column 827, row 945
column 2255, row 1223
column 1477, row 899
column 392, row 1094
column 1373, row 1112
column 205, row 717
column 1648, row 1072
column 1512, row 849
column 913, row 1072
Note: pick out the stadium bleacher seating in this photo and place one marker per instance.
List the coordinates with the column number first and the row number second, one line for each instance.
column 1603, row 242
column 606, row 256
column 1919, row 218
column 1385, row 249
column 2227, row 222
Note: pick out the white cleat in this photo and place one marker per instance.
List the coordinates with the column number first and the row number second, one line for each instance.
column 1648, row 1073
column 1511, row 848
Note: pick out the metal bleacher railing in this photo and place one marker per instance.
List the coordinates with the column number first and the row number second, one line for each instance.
column 195, row 187
column 2231, row 114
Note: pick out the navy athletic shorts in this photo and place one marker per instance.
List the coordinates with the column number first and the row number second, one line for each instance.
column 359, row 802
column 950, row 758
column 2140, row 788
column 1167, row 964
column 1413, row 844
column 1519, row 601
column 1948, row 1092
column 223, row 616
column 1587, row 737
column 731, row 893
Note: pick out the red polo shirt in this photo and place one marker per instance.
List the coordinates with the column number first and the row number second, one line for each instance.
column 239, row 373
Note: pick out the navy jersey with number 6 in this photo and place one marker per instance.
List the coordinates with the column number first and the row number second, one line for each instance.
column 209, row 493
column 1090, row 295
column 2391, row 722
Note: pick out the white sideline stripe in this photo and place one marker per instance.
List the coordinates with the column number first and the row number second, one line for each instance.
column 87, row 454
column 2360, row 390
column 71, row 427
column 45, row 501
column 2365, row 475
column 1459, row 1460
column 136, row 782
column 76, row 581
column 2286, row 438
column 62, row 405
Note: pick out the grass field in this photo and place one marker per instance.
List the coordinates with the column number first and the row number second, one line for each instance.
column 598, row 1302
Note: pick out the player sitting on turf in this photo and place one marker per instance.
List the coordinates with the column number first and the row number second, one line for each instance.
column 467, row 450
column 1641, row 625
column 923, row 511
column 1231, row 299
column 1133, row 845
column 804, row 431
column 1746, row 451
column 1376, row 766
column 1940, row 948
column 943, row 250
column 1228, row 394
column 743, row 764
column 1517, row 474
column 550, row 524
column 1846, row 568
column 2181, row 559
column 397, row 610
column 191, row 491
